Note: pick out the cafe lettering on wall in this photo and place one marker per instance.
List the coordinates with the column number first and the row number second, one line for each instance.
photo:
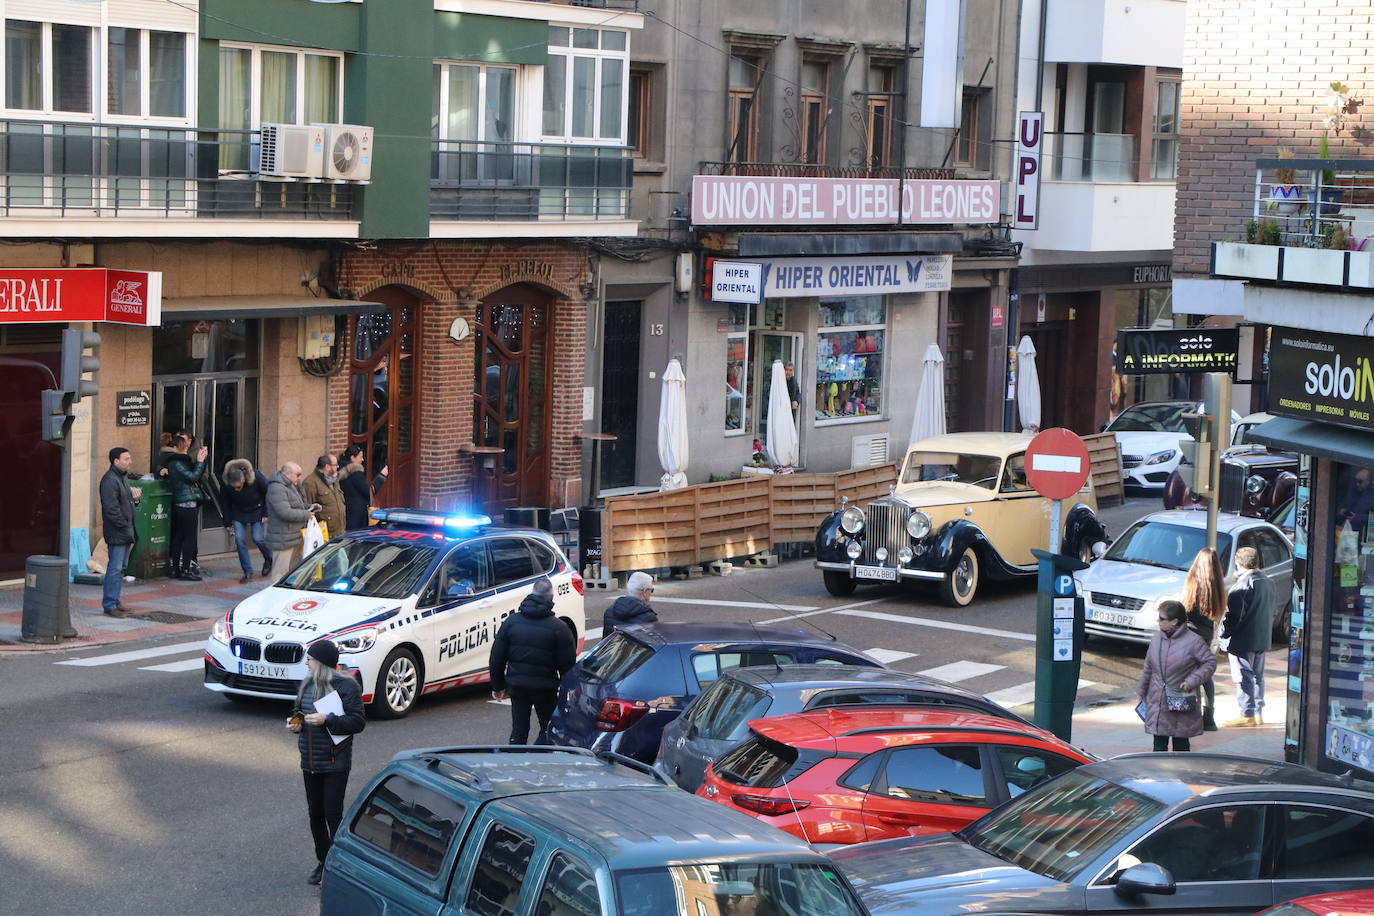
column 1177, row 350
column 528, row 269
column 1324, row 377
column 393, row 271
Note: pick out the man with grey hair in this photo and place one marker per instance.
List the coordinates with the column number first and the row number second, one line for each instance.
column 287, row 513
column 633, row 606
column 532, row 651
column 1248, row 627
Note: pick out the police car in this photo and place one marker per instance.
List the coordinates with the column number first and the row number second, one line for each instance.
column 413, row 604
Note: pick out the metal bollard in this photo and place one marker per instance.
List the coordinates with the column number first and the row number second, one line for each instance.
column 47, row 614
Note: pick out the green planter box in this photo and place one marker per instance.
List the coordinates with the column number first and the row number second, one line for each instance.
column 152, row 524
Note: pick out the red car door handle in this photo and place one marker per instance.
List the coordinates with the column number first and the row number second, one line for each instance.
column 896, row 820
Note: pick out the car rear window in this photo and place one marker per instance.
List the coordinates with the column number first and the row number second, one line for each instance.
column 726, row 707
column 408, row 822
column 708, row 666
column 614, row 660
column 793, row 888
column 885, row 698
column 758, row 763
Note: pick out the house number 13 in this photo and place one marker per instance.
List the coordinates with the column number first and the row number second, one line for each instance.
column 655, row 330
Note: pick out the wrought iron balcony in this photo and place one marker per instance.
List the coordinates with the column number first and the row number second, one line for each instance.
column 821, row 170
column 477, row 180
column 70, row 170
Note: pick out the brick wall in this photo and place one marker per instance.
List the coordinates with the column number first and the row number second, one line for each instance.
column 1256, row 74
column 450, row 278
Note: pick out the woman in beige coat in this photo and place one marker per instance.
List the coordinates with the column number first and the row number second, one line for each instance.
column 1178, row 658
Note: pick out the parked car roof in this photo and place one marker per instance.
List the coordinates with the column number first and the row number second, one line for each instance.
column 1177, row 777
column 837, row 676
column 889, row 726
column 653, row 825
column 686, row 632
column 1191, row 518
column 999, row 444
column 498, row 772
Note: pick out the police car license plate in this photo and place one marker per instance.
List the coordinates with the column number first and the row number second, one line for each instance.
column 259, row 670
column 1098, row 615
column 886, row 573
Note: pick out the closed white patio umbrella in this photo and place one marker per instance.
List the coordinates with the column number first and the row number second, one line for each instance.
column 1027, row 386
column 783, row 447
column 672, row 428
column 929, row 419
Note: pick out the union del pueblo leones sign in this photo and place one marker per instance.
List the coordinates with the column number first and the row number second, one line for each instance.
column 723, row 200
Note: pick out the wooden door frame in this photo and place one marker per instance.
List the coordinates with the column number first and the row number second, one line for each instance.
column 392, row 297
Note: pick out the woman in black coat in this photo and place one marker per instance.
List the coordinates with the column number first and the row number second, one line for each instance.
column 325, row 763
column 357, row 493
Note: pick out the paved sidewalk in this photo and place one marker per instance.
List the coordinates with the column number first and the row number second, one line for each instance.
column 163, row 607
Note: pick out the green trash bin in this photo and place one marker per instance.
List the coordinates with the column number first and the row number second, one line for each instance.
column 152, row 524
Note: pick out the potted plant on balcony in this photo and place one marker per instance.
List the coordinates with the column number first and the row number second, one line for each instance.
column 1284, row 195
column 1339, row 104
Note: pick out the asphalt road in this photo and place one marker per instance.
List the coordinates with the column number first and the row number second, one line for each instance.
column 126, row 786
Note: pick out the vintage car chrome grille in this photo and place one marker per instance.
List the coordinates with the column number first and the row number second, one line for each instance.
column 284, row 653
column 885, row 526
column 250, row 650
column 1119, row 602
column 1132, row 461
column 1232, row 487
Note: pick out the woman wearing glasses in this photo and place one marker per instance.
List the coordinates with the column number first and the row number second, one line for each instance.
column 1177, row 663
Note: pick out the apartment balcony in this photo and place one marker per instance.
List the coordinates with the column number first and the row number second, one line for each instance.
column 1097, row 195
column 82, row 179
column 819, row 170
column 1144, row 33
column 632, row 5
column 535, row 184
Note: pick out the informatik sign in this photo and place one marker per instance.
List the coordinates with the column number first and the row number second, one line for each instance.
column 722, row 200
column 1177, row 350
column 80, row 294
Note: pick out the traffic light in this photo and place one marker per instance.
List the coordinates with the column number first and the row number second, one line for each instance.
column 58, row 415
column 1196, row 466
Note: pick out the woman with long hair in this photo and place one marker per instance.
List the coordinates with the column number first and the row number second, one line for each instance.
column 184, row 474
column 1204, row 597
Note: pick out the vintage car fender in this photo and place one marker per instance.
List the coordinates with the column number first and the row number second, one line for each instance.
column 1082, row 528
column 953, row 538
column 829, row 547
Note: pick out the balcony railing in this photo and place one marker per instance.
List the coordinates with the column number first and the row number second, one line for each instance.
column 814, row 170
column 1312, row 200
column 476, row 180
column 599, row 4
column 67, row 170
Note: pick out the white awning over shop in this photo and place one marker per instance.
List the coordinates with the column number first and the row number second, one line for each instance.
column 277, row 306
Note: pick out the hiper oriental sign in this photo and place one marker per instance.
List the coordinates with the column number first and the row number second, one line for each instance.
column 80, row 294
column 722, row 200
column 1030, row 136
column 870, row 275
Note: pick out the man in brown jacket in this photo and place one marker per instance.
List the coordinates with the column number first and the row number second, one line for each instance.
column 322, row 487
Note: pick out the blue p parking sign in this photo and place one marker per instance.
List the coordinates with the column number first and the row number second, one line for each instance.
column 1063, row 585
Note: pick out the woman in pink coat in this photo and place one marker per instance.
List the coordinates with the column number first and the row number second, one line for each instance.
column 1182, row 660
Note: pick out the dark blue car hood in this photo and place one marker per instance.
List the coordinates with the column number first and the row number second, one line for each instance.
column 937, row 875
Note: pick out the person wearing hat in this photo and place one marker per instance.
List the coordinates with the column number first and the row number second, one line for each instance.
column 325, row 764
column 531, row 653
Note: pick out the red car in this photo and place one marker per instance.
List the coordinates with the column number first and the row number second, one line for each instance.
column 1347, row 903
column 839, row 776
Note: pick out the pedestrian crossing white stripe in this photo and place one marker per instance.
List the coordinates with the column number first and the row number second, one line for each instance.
column 137, row 654
column 186, row 664
column 823, row 610
column 592, row 633
column 888, row 656
column 936, row 624
column 1022, row 694
column 800, row 608
column 961, row 671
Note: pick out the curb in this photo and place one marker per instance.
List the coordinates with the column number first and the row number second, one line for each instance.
column 83, row 641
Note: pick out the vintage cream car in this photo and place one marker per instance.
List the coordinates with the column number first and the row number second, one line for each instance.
column 961, row 510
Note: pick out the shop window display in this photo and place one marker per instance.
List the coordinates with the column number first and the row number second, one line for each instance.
column 850, row 350
column 1350, row 653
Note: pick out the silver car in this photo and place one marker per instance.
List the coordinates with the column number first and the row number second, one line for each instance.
column 1150, row 561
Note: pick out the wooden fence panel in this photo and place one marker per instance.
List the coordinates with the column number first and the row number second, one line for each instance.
column 649, row 531
column 1105, row 458
column 799, row 503
column 732, row 519
column 864, row 484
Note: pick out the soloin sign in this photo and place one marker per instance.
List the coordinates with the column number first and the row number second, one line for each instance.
column 1327, row 377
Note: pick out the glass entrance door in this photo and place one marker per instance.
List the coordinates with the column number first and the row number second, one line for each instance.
column 786, row 346
column 220, row 412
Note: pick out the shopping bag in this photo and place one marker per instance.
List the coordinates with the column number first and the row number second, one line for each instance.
column 312, row 538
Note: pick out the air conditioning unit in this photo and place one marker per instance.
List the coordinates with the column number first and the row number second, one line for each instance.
column 868, row 451
column 347, row 152
column 291, row 151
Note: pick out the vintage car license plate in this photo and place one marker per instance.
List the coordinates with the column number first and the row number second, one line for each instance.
column 1098, row 615
column 886, row 573
column 260, row 670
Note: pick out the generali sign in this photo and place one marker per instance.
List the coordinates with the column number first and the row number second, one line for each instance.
column 722, row 200
column 80, row 294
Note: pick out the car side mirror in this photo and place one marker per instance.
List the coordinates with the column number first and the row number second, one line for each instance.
column 1099, row 549
column 1145, row 878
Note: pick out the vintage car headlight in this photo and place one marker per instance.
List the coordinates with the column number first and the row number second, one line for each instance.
column 905, row 555
column 222, row 631
column 359, row 640
column 852, row 520
column 854, row 548
column 880, row 554
column 1255, row 484
column 1162, row 457
column 918, row 524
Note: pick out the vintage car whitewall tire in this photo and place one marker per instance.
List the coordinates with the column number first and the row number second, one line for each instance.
column 399, row 685
column 960, row 584
column 839, row 584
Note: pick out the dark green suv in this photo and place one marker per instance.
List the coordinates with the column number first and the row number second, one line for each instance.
column 544, row 831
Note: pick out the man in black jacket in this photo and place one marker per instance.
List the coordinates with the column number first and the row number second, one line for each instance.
column 117, row 521
column 1248, row 629
column 632, row 607
column 531, row 653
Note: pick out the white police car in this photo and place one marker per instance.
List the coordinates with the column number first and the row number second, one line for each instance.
column 412, row 603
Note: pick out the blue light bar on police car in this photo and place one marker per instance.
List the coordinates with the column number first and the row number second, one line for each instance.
column 429, row 519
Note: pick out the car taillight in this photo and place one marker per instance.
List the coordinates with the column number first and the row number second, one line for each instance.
column 618, row 715
column 577, row 582
column 769, row 807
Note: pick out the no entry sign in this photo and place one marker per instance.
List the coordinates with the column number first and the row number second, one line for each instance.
column 1057, row 463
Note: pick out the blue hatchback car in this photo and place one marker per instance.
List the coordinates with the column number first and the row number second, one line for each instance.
column 622, row 694
column 494, row 831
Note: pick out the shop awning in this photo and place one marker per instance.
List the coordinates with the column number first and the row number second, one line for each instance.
column 213, row 307
column 1320, row 439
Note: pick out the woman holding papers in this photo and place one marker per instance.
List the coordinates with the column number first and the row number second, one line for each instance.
column 328, row 713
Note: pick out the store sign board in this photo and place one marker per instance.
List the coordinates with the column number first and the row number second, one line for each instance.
column 1323, row 377
column 737, row 281
column 80, row 294
column 873, row 275
column 1030, row 136
column 724, row 200
column 1177, row 350
column 133, row 408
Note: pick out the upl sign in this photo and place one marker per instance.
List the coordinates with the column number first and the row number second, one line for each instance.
column 1030, row 136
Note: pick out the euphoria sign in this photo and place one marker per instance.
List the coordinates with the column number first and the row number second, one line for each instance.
column 1177, row 350
column 1325, row 377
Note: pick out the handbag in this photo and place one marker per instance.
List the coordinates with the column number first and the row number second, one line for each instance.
column 1176, row 700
